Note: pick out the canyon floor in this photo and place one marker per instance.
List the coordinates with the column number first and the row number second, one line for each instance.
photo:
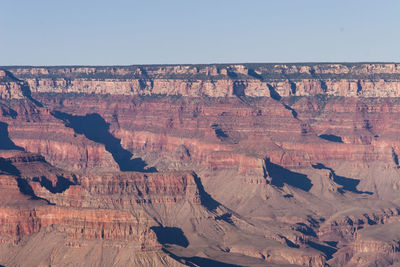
column 210, row 165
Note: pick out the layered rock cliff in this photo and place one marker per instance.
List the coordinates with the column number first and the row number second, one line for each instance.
column 252, row 164
column 256, row 80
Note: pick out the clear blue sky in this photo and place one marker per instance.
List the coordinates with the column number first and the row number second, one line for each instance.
column 116, row 32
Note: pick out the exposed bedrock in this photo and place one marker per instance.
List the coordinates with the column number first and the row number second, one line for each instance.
column 368, row 80
column 190, row 130
column 172, row 165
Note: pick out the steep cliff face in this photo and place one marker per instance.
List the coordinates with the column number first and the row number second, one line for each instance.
column 39, row 199
column 253, row 164
column 256, row 80
column 10, row 87
column 32, row 180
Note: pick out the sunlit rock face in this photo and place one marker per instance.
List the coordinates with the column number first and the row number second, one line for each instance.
column 253, row 164
column 255, row 80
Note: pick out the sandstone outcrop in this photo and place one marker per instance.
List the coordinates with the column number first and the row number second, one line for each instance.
column 255, row 80
column 10, row 87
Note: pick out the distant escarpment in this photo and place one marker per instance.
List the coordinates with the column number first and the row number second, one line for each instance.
column 219, row 80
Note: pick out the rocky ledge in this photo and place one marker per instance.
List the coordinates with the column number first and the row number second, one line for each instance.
column 219, row 80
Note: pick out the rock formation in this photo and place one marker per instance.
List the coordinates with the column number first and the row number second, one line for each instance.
column 200, row 165
column 255, row 80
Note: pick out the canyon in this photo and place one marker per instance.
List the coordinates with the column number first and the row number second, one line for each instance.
column 200, row 165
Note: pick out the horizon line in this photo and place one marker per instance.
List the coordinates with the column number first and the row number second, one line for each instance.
column 208, row 64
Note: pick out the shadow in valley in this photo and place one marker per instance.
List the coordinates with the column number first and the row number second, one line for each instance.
column 211, row 204
column 219, row 133
column 8, row 167
column 239, row 88
column 254, row 74
column 294, row 112
column 276, row 96
column 5, row 142
column 170, row 235
column 198, row 261
column 293, row 88
column 227, row 217
column 23, row 185
column 348, row 184
column 305, row 229
column 62, row 184
column 280, row 176
column 288, row 242
column 206, row 200
column 8, row 112
column 331, row 137
column 273, row 93
column 26, row 189
column 327, row 250
column 395, row 158
column 95, row 128
column 26, row 91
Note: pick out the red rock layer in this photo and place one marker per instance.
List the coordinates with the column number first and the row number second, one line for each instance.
column 92, row 207
column 307, row 177
column 186, row 129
